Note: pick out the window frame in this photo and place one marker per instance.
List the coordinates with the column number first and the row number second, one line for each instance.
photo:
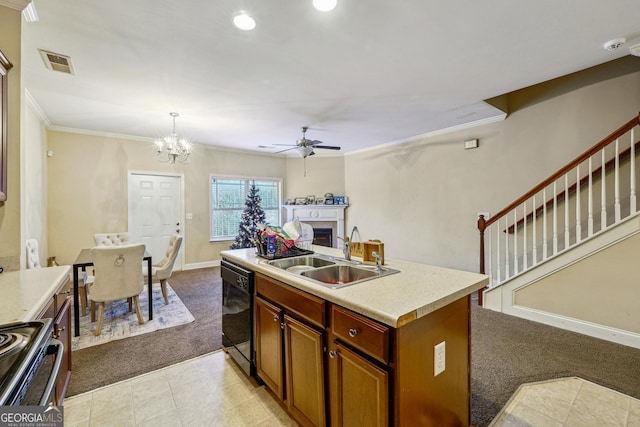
column 247, row 180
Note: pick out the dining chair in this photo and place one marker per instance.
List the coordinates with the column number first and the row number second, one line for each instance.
column 112, row 239
column 33, row 256
column 33, row 261
column 118, row 275
column 163, row 269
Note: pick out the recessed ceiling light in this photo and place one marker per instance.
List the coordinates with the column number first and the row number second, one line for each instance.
column 244, row 21
column 325, row 5
column 614, row 44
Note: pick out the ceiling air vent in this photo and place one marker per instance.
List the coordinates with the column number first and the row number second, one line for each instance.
column 57, row 62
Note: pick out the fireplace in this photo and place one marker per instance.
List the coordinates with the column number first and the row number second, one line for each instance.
column 321, row 217
column 323, row 237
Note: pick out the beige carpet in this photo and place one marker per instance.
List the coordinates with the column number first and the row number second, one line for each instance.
column 201, row 292
column 119, row 323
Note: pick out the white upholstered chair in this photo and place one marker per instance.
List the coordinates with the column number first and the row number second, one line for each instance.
column 163, row 269
column 112, row 239
column 118, row 275
column 33, row 261
column 33, row 256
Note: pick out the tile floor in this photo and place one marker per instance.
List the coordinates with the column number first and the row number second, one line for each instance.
column 212, row 391
column 568, row 402
column 206, row 391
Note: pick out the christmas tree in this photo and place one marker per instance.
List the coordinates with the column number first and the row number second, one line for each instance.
column 252, row 215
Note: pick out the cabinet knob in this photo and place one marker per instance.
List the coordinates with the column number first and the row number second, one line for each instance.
column 332, row 354
column 275, row 318
column 58, row 331
column 352, row 332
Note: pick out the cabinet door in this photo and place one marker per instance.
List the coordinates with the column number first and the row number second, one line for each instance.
column 269, row 355
column 304, row 350
column 359, row 389
column 62, row 331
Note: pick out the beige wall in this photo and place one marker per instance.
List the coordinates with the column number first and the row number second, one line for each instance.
column 88, row 189
column 34, row 179
column 421, row 198
column 324, row 174
column 10, row 243
column 602, row 289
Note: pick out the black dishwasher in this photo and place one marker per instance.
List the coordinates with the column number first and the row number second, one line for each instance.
column 238, row 291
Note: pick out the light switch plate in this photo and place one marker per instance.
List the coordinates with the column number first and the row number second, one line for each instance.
column 439, row 358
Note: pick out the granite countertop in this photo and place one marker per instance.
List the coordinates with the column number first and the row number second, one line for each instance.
column 395, row 300
column 25, row 293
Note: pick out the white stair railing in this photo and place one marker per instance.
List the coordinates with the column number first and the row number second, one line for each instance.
column 518, row 238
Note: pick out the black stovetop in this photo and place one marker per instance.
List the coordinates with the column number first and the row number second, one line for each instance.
column 20, row 344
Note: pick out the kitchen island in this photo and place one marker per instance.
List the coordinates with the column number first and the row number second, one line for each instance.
column 394, row 350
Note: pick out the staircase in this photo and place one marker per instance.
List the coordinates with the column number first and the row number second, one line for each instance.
column 567, row 252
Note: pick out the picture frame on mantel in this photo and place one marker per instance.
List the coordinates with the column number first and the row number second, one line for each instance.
column 5, row 66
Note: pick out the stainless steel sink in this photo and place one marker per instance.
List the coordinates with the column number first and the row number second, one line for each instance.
column 310, row 261
column 337, row 276
column 328, row 271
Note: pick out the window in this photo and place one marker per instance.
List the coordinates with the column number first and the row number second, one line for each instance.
column 228, row 197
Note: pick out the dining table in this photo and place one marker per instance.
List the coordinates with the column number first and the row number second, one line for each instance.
column 81, row 263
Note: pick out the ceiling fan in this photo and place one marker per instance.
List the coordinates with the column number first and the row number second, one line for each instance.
column 306, row 146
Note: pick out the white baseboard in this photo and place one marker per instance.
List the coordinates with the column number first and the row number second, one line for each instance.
column 607, row 333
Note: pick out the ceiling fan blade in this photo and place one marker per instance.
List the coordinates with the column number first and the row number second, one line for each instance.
column 314, row 142
column 327, row 147
column 285, row 145
column 286, row 149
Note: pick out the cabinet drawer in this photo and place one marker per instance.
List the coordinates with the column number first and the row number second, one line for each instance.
column 292, row 300
column 361, row 333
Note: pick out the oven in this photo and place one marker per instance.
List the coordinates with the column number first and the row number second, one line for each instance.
column 30, row 363
column 238, row 291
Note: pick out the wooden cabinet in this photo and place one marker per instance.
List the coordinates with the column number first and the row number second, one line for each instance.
column 59, row 309
column 372, row 374
column 290, row 348
column 304, row 367
column 5, row 65
column 62, row 332
column 269, row 348
column 359, row 389
column 359, row 378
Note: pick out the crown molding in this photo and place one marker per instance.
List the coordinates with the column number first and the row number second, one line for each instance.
column 15, row 4
column 31, row 102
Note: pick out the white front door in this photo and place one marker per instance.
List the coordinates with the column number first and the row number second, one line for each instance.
column 155, row 212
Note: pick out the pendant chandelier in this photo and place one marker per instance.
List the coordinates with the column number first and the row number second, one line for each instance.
column 173, row 147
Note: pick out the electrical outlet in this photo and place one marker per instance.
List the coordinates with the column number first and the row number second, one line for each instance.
column 439, row 358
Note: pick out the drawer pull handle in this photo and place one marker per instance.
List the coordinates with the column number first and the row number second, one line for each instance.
column 68, row 291
column 332, row 354
column 352, row 332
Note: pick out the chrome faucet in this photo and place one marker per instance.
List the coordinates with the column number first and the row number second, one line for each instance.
column 377, row 256
column 347, row 249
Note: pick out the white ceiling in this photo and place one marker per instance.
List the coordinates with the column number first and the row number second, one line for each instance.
column 367, row 73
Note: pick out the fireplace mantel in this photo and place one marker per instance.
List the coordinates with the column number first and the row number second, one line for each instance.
column 319, row 213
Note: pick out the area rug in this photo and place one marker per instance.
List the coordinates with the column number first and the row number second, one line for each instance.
column 119, row 323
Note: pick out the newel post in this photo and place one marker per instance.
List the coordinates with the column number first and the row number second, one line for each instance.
column 481, row 227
